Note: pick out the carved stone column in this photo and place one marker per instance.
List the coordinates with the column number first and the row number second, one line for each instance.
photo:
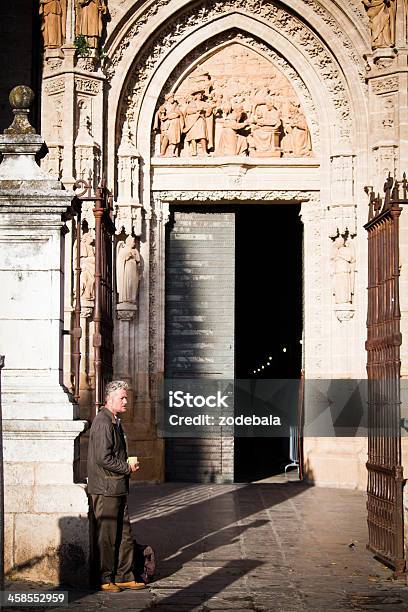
column 41, row 425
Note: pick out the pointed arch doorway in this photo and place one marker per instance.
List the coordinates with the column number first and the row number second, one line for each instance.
column 233, row 304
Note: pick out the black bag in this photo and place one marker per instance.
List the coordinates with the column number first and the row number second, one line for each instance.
column 144, row 562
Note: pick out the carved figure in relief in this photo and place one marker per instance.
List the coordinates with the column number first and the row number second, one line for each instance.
column 87, row 267
column 265, row 131
column 89, row 23
column 302, row 144
column 232, row 141
column 127, row 270
column 53, row 19
column 199, row 124
column 170, row 122
column 343, row 268
column 381, row 14
column 236, row 77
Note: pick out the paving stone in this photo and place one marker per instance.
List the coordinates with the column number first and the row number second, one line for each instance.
column 250, row 547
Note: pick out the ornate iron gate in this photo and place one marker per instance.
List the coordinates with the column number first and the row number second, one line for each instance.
column 385, row 474
column 102, row 312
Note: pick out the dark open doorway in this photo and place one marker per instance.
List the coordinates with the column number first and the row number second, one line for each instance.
column 268, row 318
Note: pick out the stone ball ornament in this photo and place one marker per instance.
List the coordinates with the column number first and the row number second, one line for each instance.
column 21, row 97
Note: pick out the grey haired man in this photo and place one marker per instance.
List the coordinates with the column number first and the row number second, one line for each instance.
column 108, row 487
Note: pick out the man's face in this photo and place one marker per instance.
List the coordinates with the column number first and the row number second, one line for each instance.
column 116, row 401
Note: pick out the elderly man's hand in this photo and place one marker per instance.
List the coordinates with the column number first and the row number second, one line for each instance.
column 134, row 467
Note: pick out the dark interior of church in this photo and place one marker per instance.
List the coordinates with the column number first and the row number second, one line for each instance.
column 268, row 318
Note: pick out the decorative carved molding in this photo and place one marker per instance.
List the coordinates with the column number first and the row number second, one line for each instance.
column 288, row 23
column 89, row 86
column 311, row 214
column 54, row 86
column 263, row 8
column 88, row 64
column 344, row 315
column 222, row 196
column 342, row 220
column 385, row 85
column 126, row 315
column 128, row 217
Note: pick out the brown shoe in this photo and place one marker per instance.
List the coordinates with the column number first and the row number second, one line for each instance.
column 110, row 587
column 130, row 585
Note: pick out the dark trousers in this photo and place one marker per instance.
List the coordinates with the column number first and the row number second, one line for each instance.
column 114, row 538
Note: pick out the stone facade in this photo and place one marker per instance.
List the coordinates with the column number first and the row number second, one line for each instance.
column 227, row 89
column 222, row 102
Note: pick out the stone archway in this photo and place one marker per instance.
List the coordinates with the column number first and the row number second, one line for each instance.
column 327, row 183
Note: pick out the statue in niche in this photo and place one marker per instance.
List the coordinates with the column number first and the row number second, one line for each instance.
column 343, row 268
column 198, row 124
column 88, row 267
column 89, row 23
column 170, row 122
column 232, row 141
column 127, row 270
column 53, row 19
column 382, row 14
column 265, row 131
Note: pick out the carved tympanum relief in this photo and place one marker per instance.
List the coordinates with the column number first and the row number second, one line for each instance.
column 234, row 103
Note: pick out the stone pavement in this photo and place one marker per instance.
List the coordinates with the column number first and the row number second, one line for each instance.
column 262, row 546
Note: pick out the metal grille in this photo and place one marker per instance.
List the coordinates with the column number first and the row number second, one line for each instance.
column 385, row 475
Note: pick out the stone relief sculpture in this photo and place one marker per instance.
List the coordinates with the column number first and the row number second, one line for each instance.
column 198, row 123
column 232, row 140
column 343, row 269
column 169, row 122
column 235, row 103
column 127, row 270
column 265, row 133
column 88, row 267
column 381, row 14
column 53, row 20
column 89, row 22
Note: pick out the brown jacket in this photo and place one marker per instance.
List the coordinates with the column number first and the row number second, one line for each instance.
column 108, row 471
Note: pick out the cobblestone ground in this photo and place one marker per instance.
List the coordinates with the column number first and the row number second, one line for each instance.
column 266, row 547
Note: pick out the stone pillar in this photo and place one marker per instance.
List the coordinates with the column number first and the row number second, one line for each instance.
column 46, row 512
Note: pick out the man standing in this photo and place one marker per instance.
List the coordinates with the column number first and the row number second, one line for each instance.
column 108, row 486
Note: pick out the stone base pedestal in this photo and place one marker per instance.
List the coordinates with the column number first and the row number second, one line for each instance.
column 336, row 462
column 46, row 513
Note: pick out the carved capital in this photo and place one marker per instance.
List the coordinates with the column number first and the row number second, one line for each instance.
column 126, row 312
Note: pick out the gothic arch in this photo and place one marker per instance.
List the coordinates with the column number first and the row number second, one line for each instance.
column 332, row 76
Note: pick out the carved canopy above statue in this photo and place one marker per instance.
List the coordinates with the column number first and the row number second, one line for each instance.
column 234, row 103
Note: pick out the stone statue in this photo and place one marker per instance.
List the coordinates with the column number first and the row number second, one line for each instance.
column 89, row 15
column 231, row 141
column 87, row 267
column 199, row 123
column 296, row 140
column 343, row 269
column 170, row 122
column 265, row 131
column 381, row 14
column 53, row 19
column 127, row 270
